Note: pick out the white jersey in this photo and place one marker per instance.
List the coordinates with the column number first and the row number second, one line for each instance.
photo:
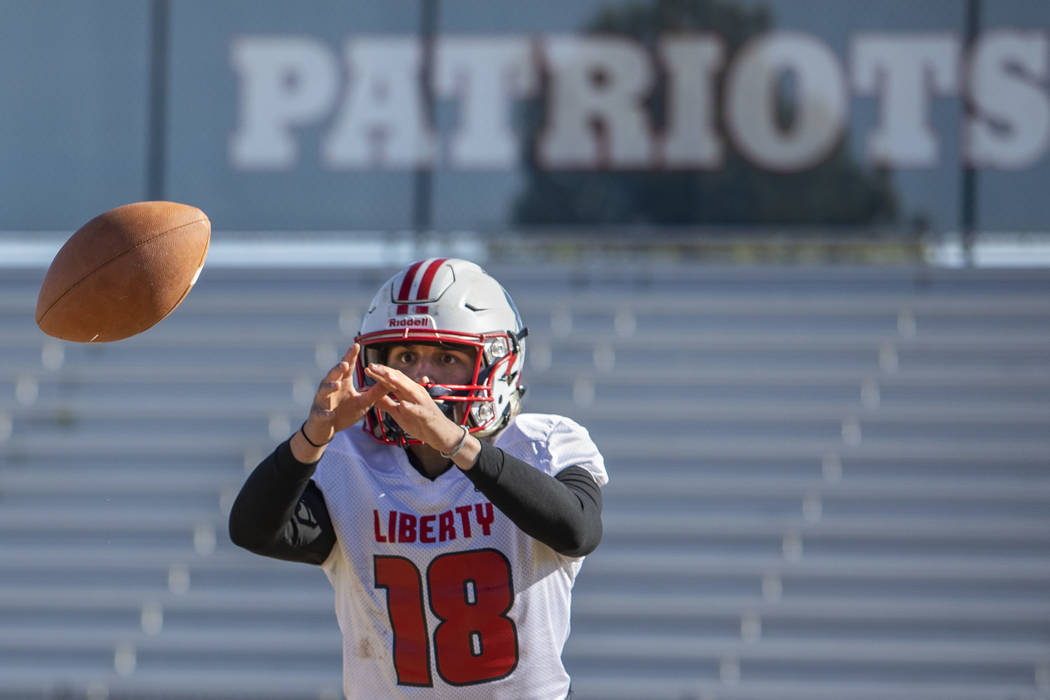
column 437, row 593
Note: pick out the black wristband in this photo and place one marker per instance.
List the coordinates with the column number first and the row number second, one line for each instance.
column 307, row 437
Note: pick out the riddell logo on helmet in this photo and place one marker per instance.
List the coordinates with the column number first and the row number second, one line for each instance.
column 410, row 322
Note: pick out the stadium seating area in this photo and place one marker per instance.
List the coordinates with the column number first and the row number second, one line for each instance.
column 827, row 483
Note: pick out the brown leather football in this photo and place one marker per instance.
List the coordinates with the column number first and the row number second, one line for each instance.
column 123, row 271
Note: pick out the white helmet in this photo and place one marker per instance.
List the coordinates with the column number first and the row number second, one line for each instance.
column 454, row 302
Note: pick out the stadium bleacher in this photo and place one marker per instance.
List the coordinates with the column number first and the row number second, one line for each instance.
column 827, row 483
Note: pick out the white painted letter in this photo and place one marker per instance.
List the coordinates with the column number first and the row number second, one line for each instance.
column 284, row 82
column 903, row 71
column 1012, row 127
column 819, row 101
column 691, row 140
column 382, row 122
column 485, row 74
column 600, row 80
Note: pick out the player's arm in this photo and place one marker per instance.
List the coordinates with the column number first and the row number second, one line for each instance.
column 563, row 512
column 281, row 513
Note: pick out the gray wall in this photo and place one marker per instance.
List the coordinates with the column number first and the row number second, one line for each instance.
column 75, row 139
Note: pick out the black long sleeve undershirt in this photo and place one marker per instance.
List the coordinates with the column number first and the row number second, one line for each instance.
column 563, row 513
column 281, row 513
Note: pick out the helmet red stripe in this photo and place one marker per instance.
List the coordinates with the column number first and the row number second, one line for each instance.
column 406, row 283
column 428, row 279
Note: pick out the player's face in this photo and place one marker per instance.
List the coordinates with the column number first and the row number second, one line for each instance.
column 437, row 363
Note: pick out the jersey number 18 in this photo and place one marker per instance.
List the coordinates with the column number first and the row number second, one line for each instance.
column 470, row 593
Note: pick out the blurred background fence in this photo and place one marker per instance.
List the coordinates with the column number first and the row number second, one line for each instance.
column 785, row 260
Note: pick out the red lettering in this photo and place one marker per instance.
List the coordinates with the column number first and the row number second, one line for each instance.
column 407, row 528
column 464, row 515
column 485, row 516
column 446, row 526
column 379, row 535
column 426, row 528
column 410, row 322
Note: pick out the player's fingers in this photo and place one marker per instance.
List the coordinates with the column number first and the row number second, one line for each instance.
column 336, row 385
column 392, row 378
column 335, row 388
column 326, row 398
column 339, row 371
column 331, row 386
column 346, row 365
column 390, row 404
column 372, row 393
column 362, row 400
column 351, row 354
column 381, row 376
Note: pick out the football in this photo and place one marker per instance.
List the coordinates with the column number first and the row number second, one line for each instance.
column 123, row 272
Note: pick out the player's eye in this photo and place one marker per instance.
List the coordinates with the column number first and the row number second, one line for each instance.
column 449, row 359
column 402, row 357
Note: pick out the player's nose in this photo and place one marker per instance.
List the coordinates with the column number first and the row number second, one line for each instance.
column 420, row 371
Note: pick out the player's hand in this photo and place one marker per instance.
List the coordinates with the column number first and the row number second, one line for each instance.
column 414, row 409
column 338, row 404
